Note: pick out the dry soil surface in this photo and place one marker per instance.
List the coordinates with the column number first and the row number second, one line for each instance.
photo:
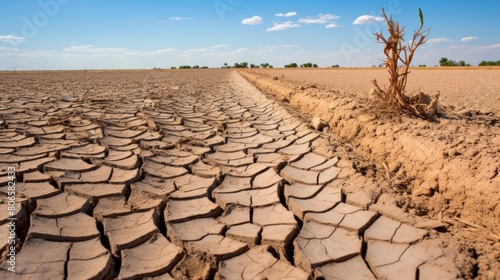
column 475, row 88
column 446, row 169
column 198, row 175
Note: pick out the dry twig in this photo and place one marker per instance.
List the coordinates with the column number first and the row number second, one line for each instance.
column 396, row 51
column 475, row 227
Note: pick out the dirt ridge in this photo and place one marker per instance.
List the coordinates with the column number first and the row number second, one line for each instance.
column 454, row 163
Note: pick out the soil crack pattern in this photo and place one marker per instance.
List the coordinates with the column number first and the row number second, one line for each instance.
column 189, row 176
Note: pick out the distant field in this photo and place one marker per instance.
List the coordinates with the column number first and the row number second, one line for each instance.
column 462, row 87
column 474, row 87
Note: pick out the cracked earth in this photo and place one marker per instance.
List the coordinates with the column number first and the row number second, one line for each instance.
column 181, row 175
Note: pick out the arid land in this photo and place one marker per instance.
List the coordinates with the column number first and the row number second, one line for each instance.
column 198, row 174
column 449, row 167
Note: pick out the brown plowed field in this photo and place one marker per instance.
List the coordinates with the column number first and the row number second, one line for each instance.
column 446, row 170
column 473, row 88
column 197, row 174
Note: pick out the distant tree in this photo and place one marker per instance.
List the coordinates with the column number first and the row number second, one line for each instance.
column 270, row 66
column 204, row 67
column 315, row 65
column 292, row 65
column 252, row 65
column 443, row 61
column 196, row 67
column 225, row 64
column 173, row 67
column 184, row 67
column 241, row 65
column 489, row 63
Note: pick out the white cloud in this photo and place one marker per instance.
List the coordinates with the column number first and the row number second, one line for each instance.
column 468, row 39
column 179, row 18
column 328, row 16
column 281, row 46
column 438, row 40
column 474, row 49
column 218, row 46
column 367, row 19
column 312, row 21
column 95, row 57
column 240, row 50
column 490, row 47
column 92, row 49
column 252, row 21
column 289, row 14
column 332, row 25
column 11, row 39
column 283, row 26
column 321, row 18
column 168, row 50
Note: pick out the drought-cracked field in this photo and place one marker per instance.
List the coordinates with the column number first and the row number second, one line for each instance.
column 191, row 175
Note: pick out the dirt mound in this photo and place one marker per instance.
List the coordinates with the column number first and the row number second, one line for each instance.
column 446, row 170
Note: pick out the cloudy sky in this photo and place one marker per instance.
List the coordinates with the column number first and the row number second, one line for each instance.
column 97, row 34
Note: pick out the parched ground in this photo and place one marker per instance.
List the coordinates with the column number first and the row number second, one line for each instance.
column 473, row 88
column 446, row 170
column 196, row 174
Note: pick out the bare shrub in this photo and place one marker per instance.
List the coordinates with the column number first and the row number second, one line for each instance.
column 397, row 50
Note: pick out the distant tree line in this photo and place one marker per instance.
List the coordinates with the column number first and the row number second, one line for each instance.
column 189, row 67
column 251, row 65
column 489, row 63
column 445, row 62
column 240, row 65
column 246, row 65
column 304, row 65
column 309, row 65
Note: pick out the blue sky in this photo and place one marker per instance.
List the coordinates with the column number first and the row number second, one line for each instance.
column 98, row 34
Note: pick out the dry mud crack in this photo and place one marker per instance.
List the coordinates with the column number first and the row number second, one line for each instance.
column 190, row 175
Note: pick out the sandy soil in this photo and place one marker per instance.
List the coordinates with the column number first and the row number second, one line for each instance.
column 446, row 169
column 475, row 88
column 198, row 149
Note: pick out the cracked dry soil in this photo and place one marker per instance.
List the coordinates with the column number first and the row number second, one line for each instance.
column 196, row 174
